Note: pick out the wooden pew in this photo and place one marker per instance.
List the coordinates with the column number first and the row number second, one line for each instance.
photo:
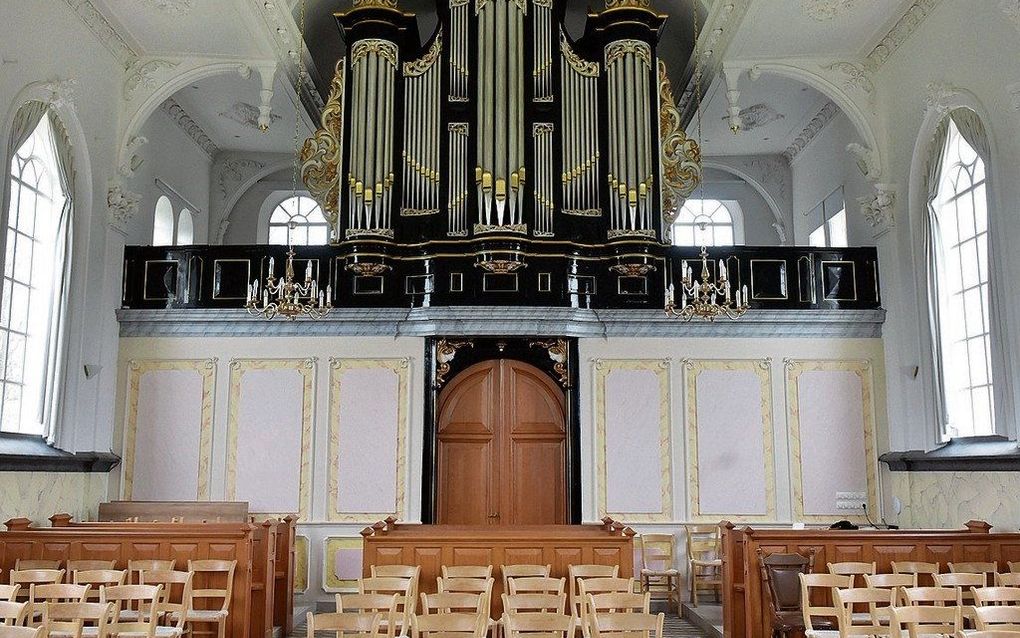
column 432, row 546
column 175, row 511
column 745, row 601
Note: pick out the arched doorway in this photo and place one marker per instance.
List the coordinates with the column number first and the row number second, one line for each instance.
column 501, row 447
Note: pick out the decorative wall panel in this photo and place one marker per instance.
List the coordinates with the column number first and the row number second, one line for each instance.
column 833, row 463
column 300, row 564
column 269, row 434
column 632, row 415
column 367, row 439
column 168, row 429
column 342, row 563
column 731, row 461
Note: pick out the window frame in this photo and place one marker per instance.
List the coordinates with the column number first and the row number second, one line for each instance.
column 733, row 209
column 276, row 202
column 825, row 217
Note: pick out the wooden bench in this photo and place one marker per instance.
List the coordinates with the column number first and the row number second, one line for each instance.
column 175, row 511
column 745, row 601
column 263, row 551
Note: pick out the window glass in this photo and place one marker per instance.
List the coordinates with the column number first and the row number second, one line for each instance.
column 299, row 218
column 185, row 228
column 163, row 223
column 703, row 222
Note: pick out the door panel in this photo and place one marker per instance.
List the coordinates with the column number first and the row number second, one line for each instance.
column 501, row 447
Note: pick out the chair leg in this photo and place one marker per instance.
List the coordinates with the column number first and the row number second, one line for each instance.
column 221, row 628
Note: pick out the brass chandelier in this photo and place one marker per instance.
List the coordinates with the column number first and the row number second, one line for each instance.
column 704, row 298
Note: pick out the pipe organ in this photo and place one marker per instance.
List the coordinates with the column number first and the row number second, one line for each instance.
column 503, row 140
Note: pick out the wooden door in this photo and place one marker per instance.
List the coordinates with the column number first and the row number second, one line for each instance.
column 501, row 455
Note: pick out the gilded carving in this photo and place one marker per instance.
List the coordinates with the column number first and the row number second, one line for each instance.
column 620, row 48
column 559, row 352
column 681, row 156
column 375, row 4
column 383, row 48
column 322, row 153
column 446, row 351
column 576, row 62
column 425, row 62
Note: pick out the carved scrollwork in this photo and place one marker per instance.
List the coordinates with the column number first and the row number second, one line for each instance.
column 681, row 156
column 375, row 4
column 446, row 351
column 616, row 50
column 632, row 270
column 322, row 153
column 576, row 62
column 425, row 62
column 559, row 352
column 383, row 48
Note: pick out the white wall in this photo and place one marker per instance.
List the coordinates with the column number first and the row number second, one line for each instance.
column 174, row 159
column 244, row 217
column 758, row 217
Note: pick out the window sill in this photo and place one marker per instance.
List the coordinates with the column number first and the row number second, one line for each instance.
column 973, row 454
column 29, row 453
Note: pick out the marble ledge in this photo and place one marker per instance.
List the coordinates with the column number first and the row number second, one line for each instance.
column 501, row 321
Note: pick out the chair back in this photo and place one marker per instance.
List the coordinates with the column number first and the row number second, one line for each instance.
column 605, row 585
column 23, row 564
column 916, row 568
column 449, row 626
column 931, row 596
column 658, row 551
column 962, row 583
column 703, row 542
column 997, row 618
column 781, row 575
column 384, row 604
column 510, row 572
column 809, row 583
column 454, row 603
column 57, row 593
column 537, row 585
column 140, row 598
column 978, row 567
column 209, row 572
column 985, row 596
column 852, row 569
column 9, row 592
column 988, row 634
column 28, row 577
column 627, row 625
column 1011, row 579
column 403, row 588
column 87, row 565
column 531, row 603
column 97, row 578
column 136, row 567
column 925, row 621
column 1014, row 566
column 467, row 571
column 72, row 618
column 577, row 573
column 356, row 623
column 176, row 596
column 539, row 624
column 397, row 571
column 7, row 631
column 851, row 624
column 619, row 602
column 890, row 581
column 12, row 613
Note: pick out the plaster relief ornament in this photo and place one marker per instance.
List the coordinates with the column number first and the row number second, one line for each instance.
column 1012, row 10
column 756, row 116
column 938, row 97
column 825, row 10
column 878, row 209
column 121, row 203
column 247, row 115
column 172, row 7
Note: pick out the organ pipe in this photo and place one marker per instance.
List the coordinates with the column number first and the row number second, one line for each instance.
column 542, row 55
column 580, row 116
column 543, row 135
column 457, row 176
column 422, row 134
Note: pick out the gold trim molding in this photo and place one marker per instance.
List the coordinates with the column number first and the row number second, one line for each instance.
column 206, row 368
column 337, row 367
column 661, row 368
column 762, row 368
column 306, row 368
column 330, row 583
column 863, row 370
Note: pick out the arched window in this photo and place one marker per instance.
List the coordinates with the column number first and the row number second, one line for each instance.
column 37, row 227
column 705, row 222
column 163, row 223
column 961, row 210
column 301, row 217
column 185, row 228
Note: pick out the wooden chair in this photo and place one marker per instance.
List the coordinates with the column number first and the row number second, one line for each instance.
column 1014, row 567
column 989, row 569
column 1011, row 579
column 9, row 592
column 403, row 588
column 74, row 566
column 890, row 581
column 68, row 620
column 25, row 564
column 591, row 586
column 988, row 634
column 613, row 603
column 397, row 571
column 141, row 601
column 12, row 613
column 659, row 575
column 627, row 625
column 478, row 586
column 28, row 577
column 925, row 621
column 203, row 609
column 576, row 573
column 539, row 625
column 811, row 613
column 448, row 626
column 874, row 622
column 931, row 596
column 382, row 604
column 453, row 603
column 532, row 603
column 990, row 596
column 175, row 599
column 366, row 624
column 21, row 632
column 780, row 575
column 538, row 585
column 704, row 560
column 510, row 572
column 467, row 571
column 916, row 568
column 852, row 569
column 40, row 595
column 97, row 578
column 962, row 583
column 997, row 618
column 136, row 567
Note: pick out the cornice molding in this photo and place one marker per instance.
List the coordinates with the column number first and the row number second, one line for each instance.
column 104, row 31
column 191, row 128
column 172, row 7
column 911, row 19
column 720, row 26
column 826, row 10
column 813, row 128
